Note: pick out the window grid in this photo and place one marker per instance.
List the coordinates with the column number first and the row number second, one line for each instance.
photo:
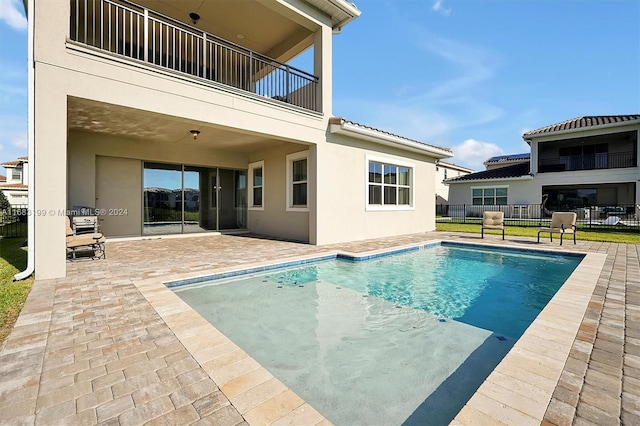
column 389, row 184
column 256, row 182
column 489, row 196
column 297, row 181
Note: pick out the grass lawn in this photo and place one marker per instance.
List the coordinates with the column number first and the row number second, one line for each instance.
column 13, row 259
column 518, row 231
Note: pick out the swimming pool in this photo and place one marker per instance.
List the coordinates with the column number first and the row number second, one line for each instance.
column 389, row 340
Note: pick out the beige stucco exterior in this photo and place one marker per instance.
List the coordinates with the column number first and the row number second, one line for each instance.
column 99, row 117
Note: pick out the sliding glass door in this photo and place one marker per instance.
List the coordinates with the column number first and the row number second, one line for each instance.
column 162, row 192
column 186, row 199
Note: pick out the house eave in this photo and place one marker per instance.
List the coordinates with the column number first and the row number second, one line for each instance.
column 358, row 132
column 526, row 177
column 530, row 138
column 341, row 11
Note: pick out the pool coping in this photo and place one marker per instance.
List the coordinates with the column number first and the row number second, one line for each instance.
column 518, row 391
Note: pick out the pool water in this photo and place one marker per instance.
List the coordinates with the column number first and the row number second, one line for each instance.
column 397, row 339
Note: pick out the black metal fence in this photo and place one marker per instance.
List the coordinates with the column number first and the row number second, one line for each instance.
column 618, row 217
column 13, row 222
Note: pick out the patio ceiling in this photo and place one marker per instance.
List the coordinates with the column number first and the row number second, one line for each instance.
column 91, row 116
column 264, row 26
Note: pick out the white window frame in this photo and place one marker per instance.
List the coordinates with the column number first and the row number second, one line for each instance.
column 494, row 187
column 390, row 162
column 16, row 174
column 303, row 155
column 252, row 167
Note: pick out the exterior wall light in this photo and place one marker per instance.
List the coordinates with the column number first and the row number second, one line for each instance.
column 194, row 133
column 194, row 18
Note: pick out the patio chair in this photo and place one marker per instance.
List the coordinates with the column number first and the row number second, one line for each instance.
column 492, row 220
column 85, row 242
column 561, row 223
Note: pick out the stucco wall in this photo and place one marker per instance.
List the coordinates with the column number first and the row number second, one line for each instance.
column 274, row 219
column 341, row 211
column 519, row 192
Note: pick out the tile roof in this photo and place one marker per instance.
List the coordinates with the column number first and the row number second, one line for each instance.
column 507, row 158
column 506, row 172
column 23, row 158
column 454, row 166
column 583, row 122
column 3, row 178
column 13, row 186
column 11, row 163
column 340, row 120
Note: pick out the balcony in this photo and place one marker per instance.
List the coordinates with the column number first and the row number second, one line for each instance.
column 596, row 161
column 140, row 34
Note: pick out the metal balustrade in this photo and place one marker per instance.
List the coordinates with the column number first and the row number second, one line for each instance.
column 597, row 161
column 129, row 30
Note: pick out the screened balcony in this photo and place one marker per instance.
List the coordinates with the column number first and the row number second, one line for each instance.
column 140, row 34
column 614, row 151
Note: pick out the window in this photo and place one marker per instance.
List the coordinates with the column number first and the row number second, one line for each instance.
column 389, row 186
column 297, row 179
column 16, row 174
column 489, row 196
column 256, row 186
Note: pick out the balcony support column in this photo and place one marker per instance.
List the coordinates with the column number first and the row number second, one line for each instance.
column 322, row 68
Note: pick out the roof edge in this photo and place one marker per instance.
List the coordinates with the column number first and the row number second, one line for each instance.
column 339, row 125
column 500, row 179
column 529, row 135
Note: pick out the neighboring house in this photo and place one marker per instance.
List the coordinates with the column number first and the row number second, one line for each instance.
column 15, row 184
column 134, row 101
column 583, row 162
column 445, row 171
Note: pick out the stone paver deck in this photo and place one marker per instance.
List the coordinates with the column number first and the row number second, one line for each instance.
column 109, row 344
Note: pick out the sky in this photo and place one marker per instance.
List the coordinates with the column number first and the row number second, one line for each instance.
column 469, row 75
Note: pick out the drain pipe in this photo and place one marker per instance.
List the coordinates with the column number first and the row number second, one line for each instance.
column 30, row 13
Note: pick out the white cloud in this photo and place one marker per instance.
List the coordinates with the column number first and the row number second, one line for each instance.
column 10, row 12
column 438, row 6
column 19, row 140
column 474, row 153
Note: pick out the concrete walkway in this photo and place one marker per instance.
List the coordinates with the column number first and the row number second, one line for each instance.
column 109, row 345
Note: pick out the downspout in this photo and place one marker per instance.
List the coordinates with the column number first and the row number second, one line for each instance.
column 30, row 12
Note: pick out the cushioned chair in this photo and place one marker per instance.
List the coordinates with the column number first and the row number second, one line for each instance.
column 492, row 220
column 561, row 223
column 87, row 242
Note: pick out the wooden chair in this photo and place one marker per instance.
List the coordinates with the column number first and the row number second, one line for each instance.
column 492, row 220
column 93, row 241
column 561, row 223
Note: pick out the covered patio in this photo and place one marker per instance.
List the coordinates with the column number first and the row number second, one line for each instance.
column 110, row 344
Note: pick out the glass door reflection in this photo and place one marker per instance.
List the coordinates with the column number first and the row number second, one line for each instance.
column 162, row 194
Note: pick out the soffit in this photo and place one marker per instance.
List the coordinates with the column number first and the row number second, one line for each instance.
column 90, row 116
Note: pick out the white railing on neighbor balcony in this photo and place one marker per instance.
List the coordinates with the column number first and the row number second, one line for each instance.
column 132, row 31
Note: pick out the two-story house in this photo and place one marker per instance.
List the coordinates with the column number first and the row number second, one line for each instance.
column 15, row 185
column 444, row 171
column 583, row 162
column 188, row 117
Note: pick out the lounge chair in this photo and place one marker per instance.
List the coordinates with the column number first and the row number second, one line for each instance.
column 561, row 223
column 492, row 220
column 86, row 242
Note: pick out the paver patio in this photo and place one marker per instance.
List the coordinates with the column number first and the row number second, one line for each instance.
column 109, row 344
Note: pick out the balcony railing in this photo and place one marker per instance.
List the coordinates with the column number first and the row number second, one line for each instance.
column 588, row 162
column 141, row 34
